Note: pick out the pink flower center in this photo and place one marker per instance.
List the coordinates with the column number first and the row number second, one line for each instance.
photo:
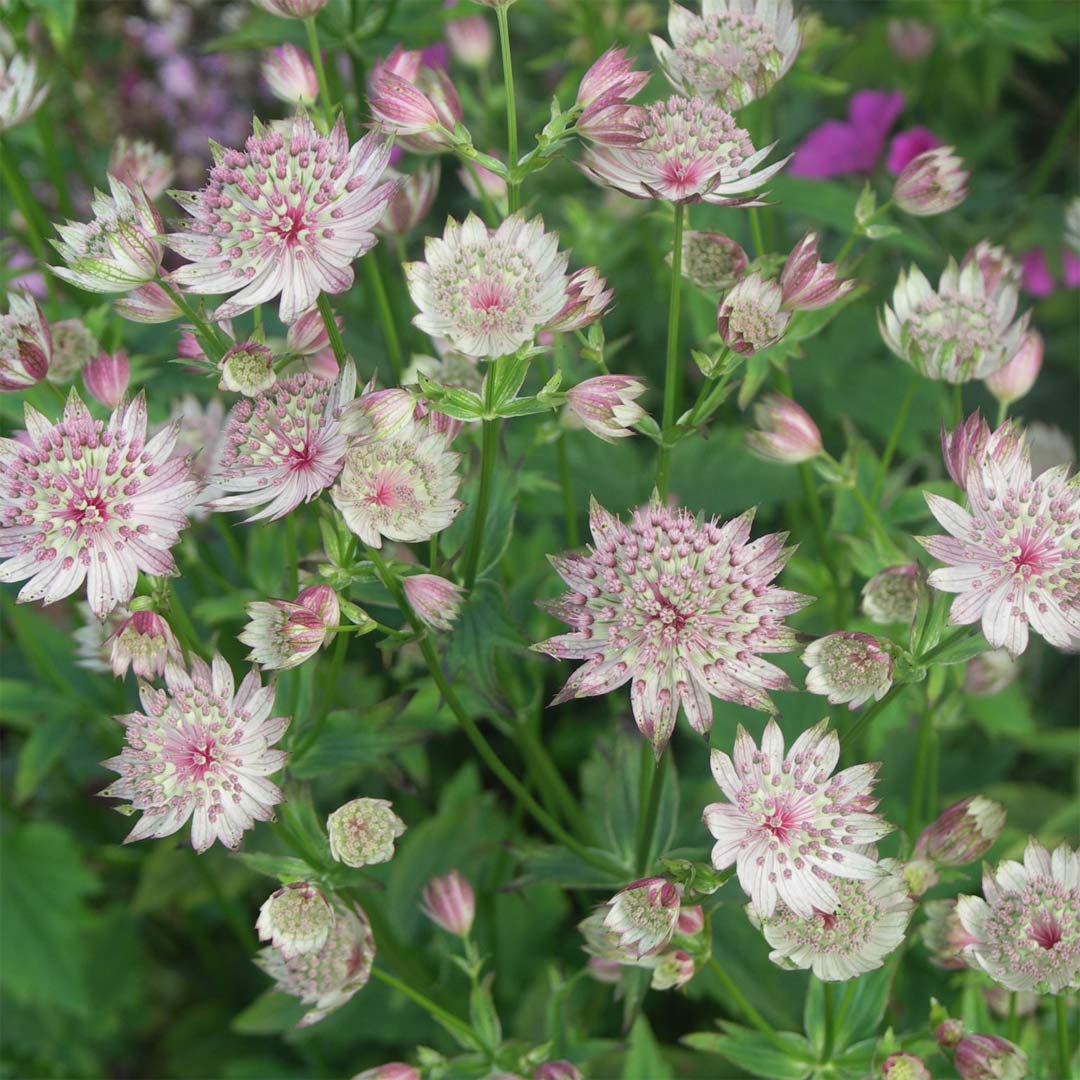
column 291, row 224
column 87, row 509
column 1033, row 554
column 488, row 295
column 1045, row 931
column 198, row 759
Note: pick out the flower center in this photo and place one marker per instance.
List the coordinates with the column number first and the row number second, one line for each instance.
column 1045, row 931
column 88, row 509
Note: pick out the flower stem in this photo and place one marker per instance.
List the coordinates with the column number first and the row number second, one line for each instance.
column 1002, row 413
column 1063, row 1034
column 488, row 451
column 513, row 184
column 209, row 337
column 15, row 182
column 320, row 71
column 566, row 483
column 310, row 737
column 649, row 789
column 1014, row 1021
column 732, row 990
column 373, row 272
column 918, row 780
column 864, row 719
column 894, row 436
column 457, row 1027
column 672, row 370
column 830, row 1021
column 292, row 555
column 337, row 343
column 179, row 616
column 755, row 230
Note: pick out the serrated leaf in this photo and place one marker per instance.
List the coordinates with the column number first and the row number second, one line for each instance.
column 755, row 1052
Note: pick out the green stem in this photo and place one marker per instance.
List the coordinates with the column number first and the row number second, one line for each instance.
column 489, row 446
column 320, row 71
column 732, row 990
column 292, row 554
column 672, row 369
column 213, row 341
column 1002, row 413
column 457, row 1027
column 373, row 273
column 1063, row 1034
column 755, row 230
column 15, row 182
column 650, row 786
column 817, row 519
column 830, row 1021
column 513, row 185
column 871, row 516
column 566, row 483
column 853, row 732
column 944, row 644
column 894, row 436
column 337, row 660
column 53, row 163
column 337, row 343
column 1014, row 1020
column 843, row 253
column 958, row 404
column 918, row 780
column 179, row 617
column 549, row 779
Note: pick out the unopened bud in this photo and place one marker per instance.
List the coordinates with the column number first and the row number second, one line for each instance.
column 644, row 916
column 1011, row 382
column 786, row 432
column 144, row 642
column 290, row 75
column 806, row 282
column 989, row 1057
column 363, row 831
column 297, row 919
column 848, row 667
column 435, row 600
column 904, row 1067
column 932, row 183
column 606, row 405
column 963, row 833
column 106, row 377
column 449, row 902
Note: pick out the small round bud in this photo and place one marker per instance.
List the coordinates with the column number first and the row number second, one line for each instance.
column 673, row 969
column 106, row 378
column 26, row 343
column 363, row 831
column 644, row 916
column 1011, row 382
column 247, row 369
column 963, row 833
column 893, row 595
column 910, row 39
column 786, row 432
column 949, row 1032
column 449, row 902
column 435, row 600
column 848, row 667
column 931, row 183
column 904, row 1067
column 297, row 919
column 73, row 347
column 712, row 261
column 989, row 1057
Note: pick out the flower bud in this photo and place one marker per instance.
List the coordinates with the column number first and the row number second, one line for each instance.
column 412, row 200
column 144, row 642
column 416, row 103
column 921, row 876
column 363, row 831
column 786, row 434
column 558, row 1070
column 283, row 634
column 750, row 318
column 148, row 303
column 140, row 162
column 691, row 920
column 471, row 40
column 290, row 75
column 73, row 347
column 435, row 600
column 587, row 298
column 449, row 902
column 308, row 335
column 25, row 344
column 910, row 39
column 604, row 969
column 848, row 667
column 806, row 282
column 906, row 146
column 963, row 833
column 643, row 916
column 479, row 182
column 972, row 441
column 673, row 969
column 297, row 919
column 893, row 595
column 712, row 261
column 106, row 377
column 247, row 369
column 606, row 405
column 944, row 935
column 989, row 1057
column 293, row 9
column 603, row 94
column 904, row 1067
column 932, row 183
column 999, row 269
column 392, row 1070
column 990, row 672
column 949, row 1032
column 1011, row 382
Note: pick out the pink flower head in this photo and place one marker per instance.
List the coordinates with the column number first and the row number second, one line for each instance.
column 1038, row 281
column 971, row 442
column 416, row 103
column 712, row 261
column 286, row 216
column 989, row 1057
column 411, row 202
column 908, row 145
column 284, row 446
column 1013, row 557
column 999, row 268
column 144, row 642
column 587, row 299
column 1071, row 266
column 848, row 667
column 838, row 147
column 290, row 75
column 932, row 183
column 910, row 40
column 1017, row 377
column 293, row 9
column 643, row 915
column 606, row 405
column 808, row 283
column 328, row 978
column 86, row 500
column 296, row 919
column 148, row 303
column 106, row 378
column 733, row 53
column 603, row 94
column 786, row 433
column 363, row 831
column 248, row 369
column 435, row 600
column 791, row 828
column 449, row 902
column 750, row 317
column 138, row 163
column 678, row 608
column 25, row 344
column 689, row 151
column 471, row 40
column 201, row 750
column 283, row 634
column 962, row 833
column 489, row 291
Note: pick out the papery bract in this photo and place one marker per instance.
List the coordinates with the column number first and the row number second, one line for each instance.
column 145, row 643
column 26, row 344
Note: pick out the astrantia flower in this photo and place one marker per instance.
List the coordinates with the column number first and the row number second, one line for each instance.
column 733, row 53
column 998, row 267
column 401, row 488
column 73, row 346
column 471, row 40
column 587, row 298
column 678, row 608
column 144, row 642
column 296, row 919
column 963, row 833
column 990, row 672
column 786, row 433
column 712, row 261
column 867, row 924
column 749, row 317
column 93, row 636
column 606, row 405
column 489, row 291
column 808, row 283
column 285, row 216
column 904, row 1067
column 293, row 9
column 643, row 916
column 1026, row 925
column 671, row 969
column 284, row 446
column 969, row 444
column 413, row 200
column 117, row 251
column 136, row 162
column 147, row 304
column 1014, row 555
column 363, row 831
column 989, row 1057
column 247, row 368
column 690, row 151
column 326, row 979
column 434, row 599
column 283, row 634
column 85, row 500
column 848, row 668
column 25, row 343
column 892, row 596
column 450, row 903
column 415, row 101
column 201, row 750
column 106, row 377
column 20, row 94
column 290, row 75
column 910, row 40
column 603, row 94
column 794, row 831
column 1011, row 382
column 932, row 183
column 963, row 331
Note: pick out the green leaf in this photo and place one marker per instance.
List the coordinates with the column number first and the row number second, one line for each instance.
column 557, row 864
column 283, row 867
column 41, row 752
column 753, row 1051
column 482, row 1013
column 59, row 19
column 270, row 1013
column 861, row 1006
column 507, row 374
column 483, row 629
column 643, row 1059
column 962, row 650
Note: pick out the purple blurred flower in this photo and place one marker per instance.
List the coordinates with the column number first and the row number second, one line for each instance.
column 1071, row 264
column 838, row 147
column 1038, row 281
column 908, row 145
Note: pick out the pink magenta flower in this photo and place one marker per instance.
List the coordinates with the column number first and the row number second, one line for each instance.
column 84, row 500
column 932, row 183
column 138, row 163
column 1071, row 266
column 392, row 1070
column 449, row 902
column 908, row 145
column 200, row 751
column 415, row 102
column 989, row 1057
column 791, row 828
column 643, row 916
column 1011, row 382
column 106, row 378
column 363, row 831
column 145, row 643
column 326, row 979
column 606, row 405
column 848, row 668
column 283, row 634
column 750, row 316
column 602, row 96
column 25, row 344
column 712, row 261
column 290, row 75
column 20, row 93
column 434, row 599
column 678, row 608
column 838, row 147
column 1013, row 557
column 293, row 9
column 286, row 216
column 412, row 200
column 999, row 268
column 557, row 1070
column 284, row 446
column 690, row 151
column 962, row 833
column 786, row 432
column 807, row 282
column 296, row 919
column 1026, row 925
column 1038, row 281
column 489, row 291
column 148, row 303
column 733, row 53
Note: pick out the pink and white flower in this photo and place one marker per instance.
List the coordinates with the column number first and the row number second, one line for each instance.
column 285, row 446
column 435, row 600
column 680, row 609
column 1011, row 382
column 106, row 377
column 470, row 39
column 712, row 261
column 969, row 444
column 296, row 919
column 848, row 668
column 606, row 405
column 138, row 163
column 148, row 303
column 751, row 317
column 962, row 833
column 283, row 634
column 25, row 344
column 290, row 75
column 932, row 183
column 414, row 101
column 449, row 902
column 603, row 96
column 587, row 299
column 944, row 935
column 989, row 1057
column 286, row 216
column 293, row 9
column 21, row 94
column 792, row 829
column 200, row 751
column 786, row 432
column 643, row 916
column 144, row 642
column 808, row 283
column 892, row 596
column 248, row 369
column 82, row 500
column 363, row 831
column 998, row 267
